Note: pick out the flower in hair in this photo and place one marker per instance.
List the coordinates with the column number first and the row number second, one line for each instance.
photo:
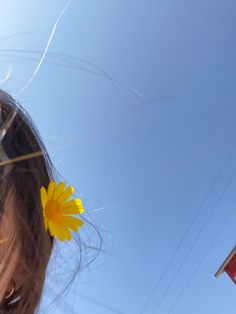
column 58, row 210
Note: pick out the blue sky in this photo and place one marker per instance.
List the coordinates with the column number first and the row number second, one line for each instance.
column 145, row 146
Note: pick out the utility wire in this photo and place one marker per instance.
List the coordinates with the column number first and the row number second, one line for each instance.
column 202, row 259
column 194, row 242
column 188, row 229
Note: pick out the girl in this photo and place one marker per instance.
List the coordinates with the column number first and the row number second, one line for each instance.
column 25, row 246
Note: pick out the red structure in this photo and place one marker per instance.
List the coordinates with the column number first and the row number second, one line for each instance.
column 229, row 266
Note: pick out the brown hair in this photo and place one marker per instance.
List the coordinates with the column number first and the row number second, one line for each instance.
column 24, row 181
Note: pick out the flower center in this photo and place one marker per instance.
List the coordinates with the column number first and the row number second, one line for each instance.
column 53, row 211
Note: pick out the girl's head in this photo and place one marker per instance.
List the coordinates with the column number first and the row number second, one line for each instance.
column 25, row 246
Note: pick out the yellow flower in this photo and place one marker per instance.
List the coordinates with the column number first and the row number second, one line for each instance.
column 57, row 210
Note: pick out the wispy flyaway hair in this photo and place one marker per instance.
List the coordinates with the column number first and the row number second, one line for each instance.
column 25, row 166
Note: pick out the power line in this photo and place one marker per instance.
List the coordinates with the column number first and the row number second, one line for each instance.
column 194, row 242
column 188, row 229
column 202, row 259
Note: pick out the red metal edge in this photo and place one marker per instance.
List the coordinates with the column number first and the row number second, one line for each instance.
column 225, row 263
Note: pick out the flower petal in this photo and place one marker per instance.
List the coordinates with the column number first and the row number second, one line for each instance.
column 65, row 195
column 46, row 223
column 59, row 190
column 61, row 233
column 71, row 210
column 72, row 222
column 43, row 196
column 58, row 232
column 74, row 206
column 66, row 233
column 51, row 228
column 51, row 189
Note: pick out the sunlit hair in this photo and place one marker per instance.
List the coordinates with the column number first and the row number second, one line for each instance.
column 23, row 181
